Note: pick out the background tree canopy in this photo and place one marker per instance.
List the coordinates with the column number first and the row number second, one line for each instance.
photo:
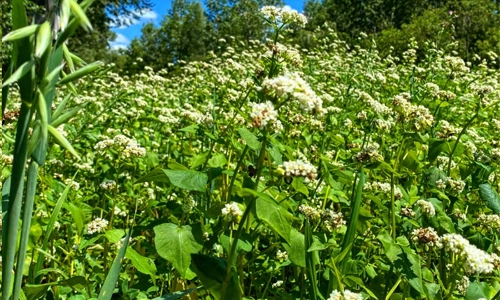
column 191, row 29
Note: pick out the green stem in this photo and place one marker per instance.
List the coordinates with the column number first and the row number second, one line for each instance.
column 246, row 214
column 460, row 135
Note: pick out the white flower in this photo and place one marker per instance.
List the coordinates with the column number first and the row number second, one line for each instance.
column 299, row 168
column 97, row 226
column 232, row 212
column 426, row 208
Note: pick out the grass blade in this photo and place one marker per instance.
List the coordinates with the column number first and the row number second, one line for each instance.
column 62, row 141
column 353, row 221
column 114, row 272
column 20, row 33
column 80, row 72
column 80, row 14
column 19, row 73
column 25, row 231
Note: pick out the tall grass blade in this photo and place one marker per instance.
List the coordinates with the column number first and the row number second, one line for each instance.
column 25, row 231
column 80, row 72
column 353, row 221
column 80, row 14
column 114, row 272
column 43, row 39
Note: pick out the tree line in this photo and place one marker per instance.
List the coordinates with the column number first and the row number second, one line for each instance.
column 192, row 30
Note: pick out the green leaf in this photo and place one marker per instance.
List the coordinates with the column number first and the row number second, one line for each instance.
column 62, row 141
column 275, row 216
column 391, row 249
column 36, row 291
column 188, row 179
column 20, row 33
column 43, row 39
column 114, row 235
column 175, row 295
column 296, row 249
column 250, row 138
column 477, row 290
column 19, row 73
column 142, row 264
column 211, row 272
column 77, row 215
column 299, row 186
column 490, row 196
column 176, row 244
column 80, row 73
column 157, row 175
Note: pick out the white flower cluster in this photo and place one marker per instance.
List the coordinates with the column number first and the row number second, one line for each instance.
column 299, row 168
column 489, row 221
column 118, row 212
column 97, row 225
column 463, row 284
column 426, row 236
column 264, row 114
column 476, row 261
column 369, row 154
column 108, row 185
column 310, row 212
column 332, row 220
column 75, row 185
column 283, row 15
column 277, row 284
column 281, row 255
column 291, row 85
column 383, row 187
column 232, row 212
column 126, row 147
column 377, row 107
column 426, row 207
column 417, row 115
column 347, row 295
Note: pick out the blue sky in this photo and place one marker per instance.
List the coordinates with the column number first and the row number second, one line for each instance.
column 126, row 33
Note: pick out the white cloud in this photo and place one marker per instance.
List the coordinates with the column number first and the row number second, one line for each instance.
column 144, row 15
column 120, row 42
column 121, row 39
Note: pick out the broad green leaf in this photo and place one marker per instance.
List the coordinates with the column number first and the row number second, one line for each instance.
column 212, row 271
column 188, row 179
column 218, row 160
column 391, row 249
column 490, row 196
column 411, row 266
column 296, row 249
column 114, row 235
column 249, row 138
column 274, row 216
column 176, row 244
column 80, row 73
column 19, row 73
column 157, row 175
column 43, row 39
column 142, row 264
column 20, row 33
column 477, row 290
column 299, row 186
column 36, row 291
column 62, row 141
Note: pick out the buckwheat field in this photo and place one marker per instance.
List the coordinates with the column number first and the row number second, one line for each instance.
column 268, row 173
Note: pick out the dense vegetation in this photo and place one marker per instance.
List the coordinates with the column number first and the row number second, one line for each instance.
column 269, row 171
